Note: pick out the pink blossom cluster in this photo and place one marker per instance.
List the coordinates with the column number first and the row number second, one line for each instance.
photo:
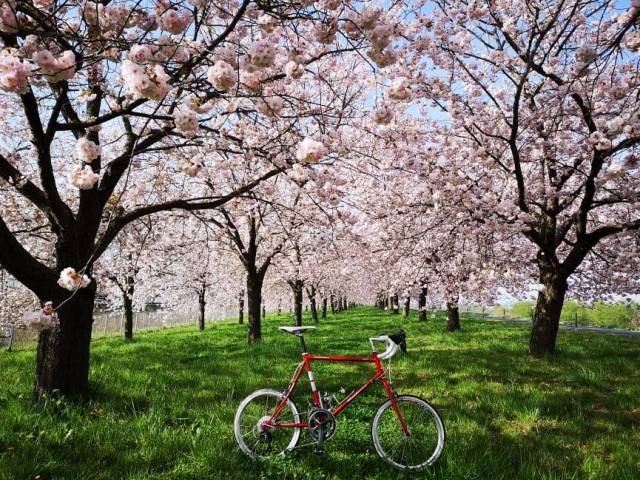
column 222, row 75
column 325, row 32
column 262, row 53
column 197, row 105
column 84, row 178
column 270, row 106
column 186, row 121
column 191, row 166
column 8, row 20
column 163, row 50
column 43, row 319
column 14, row 74
column 632, row 41
column 310, row 151
column 374, row 24
column 294, row 70
column 145, row 81
column 72, row 280
column 109, row 19
column 87, row 150
column 399, row 89
column 175, row 21
column 251, row 80
column 267, row 22
column 383, row 114
column 298, row 173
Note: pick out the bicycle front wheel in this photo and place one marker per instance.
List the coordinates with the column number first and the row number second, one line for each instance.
column 423, row 444
column 253, row 438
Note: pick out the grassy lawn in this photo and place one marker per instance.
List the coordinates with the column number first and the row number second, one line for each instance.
column 162, row 406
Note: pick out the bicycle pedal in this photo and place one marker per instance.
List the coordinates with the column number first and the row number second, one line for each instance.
column 319, row 451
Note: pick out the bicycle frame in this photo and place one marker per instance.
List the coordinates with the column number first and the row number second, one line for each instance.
column 305, row 364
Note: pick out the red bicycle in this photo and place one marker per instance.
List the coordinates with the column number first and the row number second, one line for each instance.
column 407, row 431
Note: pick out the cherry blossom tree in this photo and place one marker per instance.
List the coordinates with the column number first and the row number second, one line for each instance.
column 121, row 86
column 540, row 117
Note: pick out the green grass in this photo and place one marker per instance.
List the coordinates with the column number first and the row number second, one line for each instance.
column 162, row 406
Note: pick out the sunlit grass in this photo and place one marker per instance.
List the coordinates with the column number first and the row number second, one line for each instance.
column 163, row 405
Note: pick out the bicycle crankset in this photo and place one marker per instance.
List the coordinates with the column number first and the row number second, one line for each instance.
column 322, row 426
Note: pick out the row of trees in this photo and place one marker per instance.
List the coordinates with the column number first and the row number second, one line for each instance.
column 444, row 151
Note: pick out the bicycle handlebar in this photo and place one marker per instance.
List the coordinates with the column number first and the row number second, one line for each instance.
column 391, row 346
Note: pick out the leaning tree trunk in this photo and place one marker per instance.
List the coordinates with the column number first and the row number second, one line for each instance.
column 324, row 307
column 422, row 305
column 254, row 302
column 547, row 315
column 453, row 316
column 62, row 359
column 311, row 293
column 203, row 305
column 241, row 307
column 297, row 288
column 406, row 306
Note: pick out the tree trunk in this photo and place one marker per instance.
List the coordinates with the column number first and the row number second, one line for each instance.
column 324, row 307
column 422, row 305
column 254, row 301
column 311, row 293
column 395, row 304
column 332, row 304
column 406, row 307
column 127, row 301
column 264, row 311
column 241, row 307
column 62, row 360
column 297, row 288
column 547, row 315
column 202, row 304
column 453, row 316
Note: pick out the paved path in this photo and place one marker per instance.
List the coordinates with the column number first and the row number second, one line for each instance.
column 567, row 326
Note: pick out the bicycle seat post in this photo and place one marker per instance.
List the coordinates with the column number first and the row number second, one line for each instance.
column 302, row 344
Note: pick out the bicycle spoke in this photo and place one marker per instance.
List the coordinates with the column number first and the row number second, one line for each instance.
column 412, row 451
column 259, row 440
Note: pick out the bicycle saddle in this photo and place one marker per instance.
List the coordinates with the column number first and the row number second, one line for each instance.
column 296, row 330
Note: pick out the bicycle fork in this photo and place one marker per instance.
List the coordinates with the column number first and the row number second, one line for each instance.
column 394, row 403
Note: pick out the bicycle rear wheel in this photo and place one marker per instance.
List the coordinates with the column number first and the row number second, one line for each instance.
column 421, row 447
column 256, row 440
